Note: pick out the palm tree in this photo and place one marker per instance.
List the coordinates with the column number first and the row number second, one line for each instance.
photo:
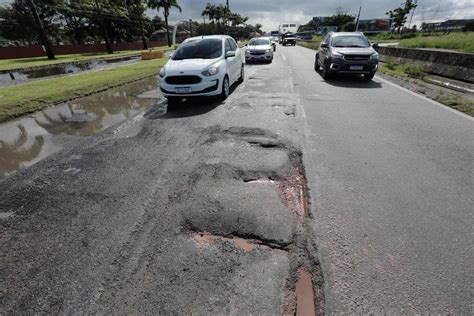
column 210, row 11
column 166, row 5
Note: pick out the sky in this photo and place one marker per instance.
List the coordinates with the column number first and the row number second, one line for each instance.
column 270, row 13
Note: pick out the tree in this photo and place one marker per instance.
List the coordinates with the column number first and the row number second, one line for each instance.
column 469, row 27
column 166, row 5
column 338, row 19
column 136, row 9
column 40, row 29
column 399, row 15
column 349, row 27
column 98, row 9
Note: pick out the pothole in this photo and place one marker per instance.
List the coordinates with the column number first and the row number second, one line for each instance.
column 205, row 239
column 292, row 191
column 305, row 294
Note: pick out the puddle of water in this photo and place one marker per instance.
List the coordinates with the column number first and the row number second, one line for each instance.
column 16, row 77
column 27, row 140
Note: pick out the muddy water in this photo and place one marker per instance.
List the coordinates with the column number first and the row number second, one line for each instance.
column 27, row 140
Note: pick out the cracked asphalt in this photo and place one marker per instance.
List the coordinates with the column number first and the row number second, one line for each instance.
column 295, row 195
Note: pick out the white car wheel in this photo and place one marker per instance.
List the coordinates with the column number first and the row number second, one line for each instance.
column 225, row 88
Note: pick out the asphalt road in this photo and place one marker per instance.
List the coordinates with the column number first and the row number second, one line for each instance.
column 204, row 209
column 391, row 175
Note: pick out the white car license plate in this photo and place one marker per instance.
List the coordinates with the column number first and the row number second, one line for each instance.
column 183, row 90
column 356, row 67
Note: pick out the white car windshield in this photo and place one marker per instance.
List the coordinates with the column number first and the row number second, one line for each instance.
column 208, row 48
column 257, row 42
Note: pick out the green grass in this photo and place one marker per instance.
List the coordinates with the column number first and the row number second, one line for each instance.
column 30, row 97
column 406, row 70
column 311, row 45
column 456, row 102
column 401, row 70
column 456, row 41
column 7, row 64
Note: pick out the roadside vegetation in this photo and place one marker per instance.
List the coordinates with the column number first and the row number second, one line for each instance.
column 407, row 71
column 29, row 97
column 8, row 64
column 461, row 41
column 309, row 44
column 390, row 67
column 456, row 102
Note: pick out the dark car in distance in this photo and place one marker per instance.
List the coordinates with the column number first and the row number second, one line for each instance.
column 346, row 53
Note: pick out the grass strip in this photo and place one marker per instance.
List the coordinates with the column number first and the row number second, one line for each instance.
column 310, row 45
column 7, row 64
column 460, row 41
column 456, row 102
column 30, row 97
column 406, row 71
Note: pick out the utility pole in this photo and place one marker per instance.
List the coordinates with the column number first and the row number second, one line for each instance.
column 41, row 32
column 358, row 18
column 227, row 4
column 190, row 28
column 104, row 28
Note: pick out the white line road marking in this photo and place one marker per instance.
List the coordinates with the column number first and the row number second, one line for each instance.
column 427, row 99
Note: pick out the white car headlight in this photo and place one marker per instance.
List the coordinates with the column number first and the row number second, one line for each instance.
column 374, row 56
column 211, row 71
column 268, row 50
column 337, row 55
column 162, row 72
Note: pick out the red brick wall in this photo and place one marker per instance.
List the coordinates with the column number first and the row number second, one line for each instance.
column 37, row 51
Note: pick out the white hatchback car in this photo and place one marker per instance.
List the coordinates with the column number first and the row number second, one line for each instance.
column 202, row 66
column 259, row 49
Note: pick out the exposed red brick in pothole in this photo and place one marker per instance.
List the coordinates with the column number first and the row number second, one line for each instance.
column 292, row 192
column 304, row 294
column 204, row 239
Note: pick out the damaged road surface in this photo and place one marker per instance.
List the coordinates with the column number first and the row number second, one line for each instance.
column 294, row 196
column 199, row 210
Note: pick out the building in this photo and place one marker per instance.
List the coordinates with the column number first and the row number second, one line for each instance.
column 160, row 35
column 446, row 26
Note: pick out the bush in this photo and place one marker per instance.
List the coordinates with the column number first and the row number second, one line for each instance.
column 469, row 27
column 407, row 35
column 349, row 27
column 414, row 71
column 390, row 63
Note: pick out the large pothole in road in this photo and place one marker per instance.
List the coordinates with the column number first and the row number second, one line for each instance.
column 249, row 193
column 235, row 208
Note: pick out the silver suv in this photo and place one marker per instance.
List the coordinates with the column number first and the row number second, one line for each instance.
column 347, row 53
